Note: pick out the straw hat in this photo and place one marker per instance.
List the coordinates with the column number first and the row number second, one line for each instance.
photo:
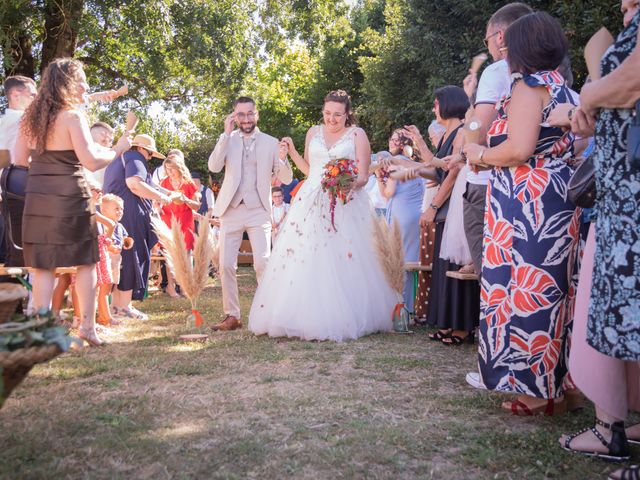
column 148, row 143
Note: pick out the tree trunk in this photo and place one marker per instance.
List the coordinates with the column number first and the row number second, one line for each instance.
column 19, row 49
column 62, row 21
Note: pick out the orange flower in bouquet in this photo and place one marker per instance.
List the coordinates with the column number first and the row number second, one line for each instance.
column 338, row 178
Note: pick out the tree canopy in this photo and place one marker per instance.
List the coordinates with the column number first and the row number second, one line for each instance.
column 186, row 60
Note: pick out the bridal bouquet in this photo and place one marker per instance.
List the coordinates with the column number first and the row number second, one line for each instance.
column 339, row 175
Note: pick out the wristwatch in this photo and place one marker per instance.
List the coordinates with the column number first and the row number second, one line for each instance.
column 434, row 207
column 571, row 112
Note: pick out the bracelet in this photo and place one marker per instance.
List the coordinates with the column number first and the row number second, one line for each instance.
column 571, row 112
column 481, row 154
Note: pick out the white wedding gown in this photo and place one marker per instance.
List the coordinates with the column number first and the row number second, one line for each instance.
column 320, row 284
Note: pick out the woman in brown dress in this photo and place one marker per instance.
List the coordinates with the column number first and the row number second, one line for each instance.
column 59, row 226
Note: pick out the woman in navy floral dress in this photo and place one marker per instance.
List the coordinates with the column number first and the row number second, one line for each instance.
column 614, row 315
column 531, row 229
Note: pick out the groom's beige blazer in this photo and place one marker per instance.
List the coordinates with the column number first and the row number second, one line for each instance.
column 228, row 154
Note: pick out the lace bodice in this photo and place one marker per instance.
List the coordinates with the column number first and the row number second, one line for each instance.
column 319, row 154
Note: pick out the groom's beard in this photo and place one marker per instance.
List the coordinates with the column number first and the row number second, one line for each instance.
column 247, row 127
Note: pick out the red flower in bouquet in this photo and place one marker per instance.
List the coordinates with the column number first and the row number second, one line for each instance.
column 339, row 175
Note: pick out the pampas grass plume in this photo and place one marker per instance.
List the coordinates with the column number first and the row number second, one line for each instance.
column 388, row 245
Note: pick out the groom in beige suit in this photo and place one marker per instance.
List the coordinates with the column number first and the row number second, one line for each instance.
column 250, row 158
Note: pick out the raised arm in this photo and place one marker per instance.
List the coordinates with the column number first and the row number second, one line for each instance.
column 91, row 155
column 301, row 162
column 219, row 155
column 281, row 168
column 143, row 190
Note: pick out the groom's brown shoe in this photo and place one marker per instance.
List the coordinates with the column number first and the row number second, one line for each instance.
column 229, row 323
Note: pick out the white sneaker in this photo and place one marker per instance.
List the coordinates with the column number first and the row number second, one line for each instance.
column 473, row 379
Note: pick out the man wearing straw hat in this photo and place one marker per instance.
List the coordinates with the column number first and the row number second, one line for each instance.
column 250, row 159
column 128, row 177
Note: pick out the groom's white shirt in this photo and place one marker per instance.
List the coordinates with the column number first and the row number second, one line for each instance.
column 228, row 153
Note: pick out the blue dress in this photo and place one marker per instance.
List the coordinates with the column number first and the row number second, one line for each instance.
column 136, row 220
column 405, row 207
column 614, row 314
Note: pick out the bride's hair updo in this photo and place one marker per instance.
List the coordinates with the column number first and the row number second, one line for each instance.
column 340, row 96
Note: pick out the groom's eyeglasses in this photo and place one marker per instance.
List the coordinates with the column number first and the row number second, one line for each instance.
column 242, row 116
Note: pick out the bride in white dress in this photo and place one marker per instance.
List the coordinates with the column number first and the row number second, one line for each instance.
column 321, row 284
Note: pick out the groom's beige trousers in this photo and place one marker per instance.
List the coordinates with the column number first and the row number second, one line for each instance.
column 233, row 223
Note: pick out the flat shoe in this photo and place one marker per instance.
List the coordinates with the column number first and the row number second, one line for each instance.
column 457, row 340
column 550, row 408
column 438, row 336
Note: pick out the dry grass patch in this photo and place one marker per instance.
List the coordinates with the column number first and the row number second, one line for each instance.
column 240, row 406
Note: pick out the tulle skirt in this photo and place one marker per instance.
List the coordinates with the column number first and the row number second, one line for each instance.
column 321, row 283
column 454, row 241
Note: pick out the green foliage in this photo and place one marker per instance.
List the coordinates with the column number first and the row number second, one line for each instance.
column 427, row 44
column 191, row 58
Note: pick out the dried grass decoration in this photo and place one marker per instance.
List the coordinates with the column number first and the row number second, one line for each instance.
column 192, row 277
column 388, row 245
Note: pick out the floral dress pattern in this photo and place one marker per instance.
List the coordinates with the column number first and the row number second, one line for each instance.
column 528, row 276
column 614, row 314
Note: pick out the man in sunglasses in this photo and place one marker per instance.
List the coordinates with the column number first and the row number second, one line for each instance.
column 250, row 159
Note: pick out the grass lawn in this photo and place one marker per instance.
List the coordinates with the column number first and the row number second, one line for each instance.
column 240, row 406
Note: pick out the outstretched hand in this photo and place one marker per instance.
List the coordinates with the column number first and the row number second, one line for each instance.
column 413, row 133
column 405, row 174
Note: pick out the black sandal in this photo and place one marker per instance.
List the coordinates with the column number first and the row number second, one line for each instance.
column 628, row 473
column 457, row 340
column 618, row 446
column 439, row 335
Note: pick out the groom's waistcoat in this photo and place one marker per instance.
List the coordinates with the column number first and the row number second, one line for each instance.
column 247, row 191
column 249, row 165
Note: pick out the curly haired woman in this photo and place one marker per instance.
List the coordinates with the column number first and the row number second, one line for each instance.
column 59, row 225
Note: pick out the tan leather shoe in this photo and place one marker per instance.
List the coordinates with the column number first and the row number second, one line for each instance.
column 229, row 323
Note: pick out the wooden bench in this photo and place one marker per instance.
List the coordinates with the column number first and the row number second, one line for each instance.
column 462, row 276
column 20, row 273
column 416, row 268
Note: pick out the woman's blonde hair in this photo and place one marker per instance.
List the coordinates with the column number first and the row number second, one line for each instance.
column 176, row 160
column 57, row 92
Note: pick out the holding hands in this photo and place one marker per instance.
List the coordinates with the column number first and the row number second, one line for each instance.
column 287, row 142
